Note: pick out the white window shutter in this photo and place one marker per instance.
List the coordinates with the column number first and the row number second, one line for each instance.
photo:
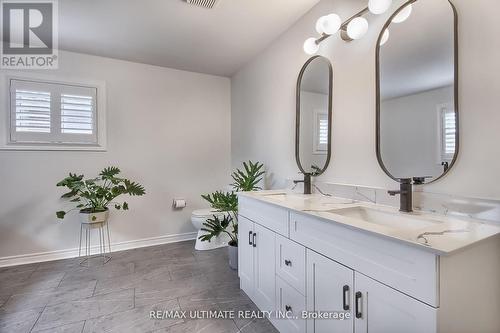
column 320, row 132
column 448, row 132
column 52, row 113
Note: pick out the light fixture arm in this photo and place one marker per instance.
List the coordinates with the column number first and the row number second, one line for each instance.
column 355, row 27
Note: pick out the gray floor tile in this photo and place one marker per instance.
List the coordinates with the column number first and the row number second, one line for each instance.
column 3, row 299
column 35, row 282
column 64, row 265
column 69, row 328
column 39, row 299
column 258, row 326
column 135, row 320
column 107, row 271
column 151, row 292
column 91, row 307
column 132, row 280
column 203, row 326
column 147, row 264
column 206, row 300
column 118, row 296
column 18, row 322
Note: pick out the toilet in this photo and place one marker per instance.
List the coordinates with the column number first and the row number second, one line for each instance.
column 198, row 217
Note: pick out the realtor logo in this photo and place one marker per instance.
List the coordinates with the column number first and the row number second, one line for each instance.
column 29, row 34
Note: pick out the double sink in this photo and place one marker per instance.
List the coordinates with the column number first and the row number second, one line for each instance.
column 411, row 226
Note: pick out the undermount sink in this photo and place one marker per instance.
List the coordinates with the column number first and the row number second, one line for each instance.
column 276, row 196
column 388, row 219
column 320, row 201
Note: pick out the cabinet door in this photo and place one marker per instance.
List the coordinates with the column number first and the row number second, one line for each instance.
column 380, row 309
column 246, row 255
column 290, row 303
column 329, row 289
column 264, row 268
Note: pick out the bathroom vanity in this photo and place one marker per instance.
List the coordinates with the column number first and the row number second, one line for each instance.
column 388, row 271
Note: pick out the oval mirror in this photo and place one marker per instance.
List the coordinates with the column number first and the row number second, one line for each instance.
column 417, row 108
column 314, row 116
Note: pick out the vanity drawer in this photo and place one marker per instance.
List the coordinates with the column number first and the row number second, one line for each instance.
column 270, row 216
column 291, row 263
column 289, row 301
column 402, row 267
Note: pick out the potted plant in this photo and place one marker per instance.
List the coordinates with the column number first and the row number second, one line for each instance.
column 93, row 196
column 244, row 180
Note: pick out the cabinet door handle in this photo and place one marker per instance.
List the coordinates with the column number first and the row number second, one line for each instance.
column 359, row 298
column 253, row 240
column 250, row 238
column 288, row 263
column 345, row 296
column 288, row 308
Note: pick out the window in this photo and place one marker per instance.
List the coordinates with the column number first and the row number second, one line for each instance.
column 448, row 132
column 320, row 132
column 46, row 113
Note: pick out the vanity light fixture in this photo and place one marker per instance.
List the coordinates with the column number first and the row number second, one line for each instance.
column 357, row 28
column 354, row 27
column 378, row 7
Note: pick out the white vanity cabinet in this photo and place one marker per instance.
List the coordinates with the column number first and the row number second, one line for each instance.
column 292, row 261
column 330, row 287
column 381, row 309
column 257, row 263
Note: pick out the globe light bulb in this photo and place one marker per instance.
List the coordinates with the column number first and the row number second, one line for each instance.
column 331, row 24
column 319, row 25
column 378, row 7
column 310, row 46
column 385, row 37
column 357, row 28
column 328, row 24
column 403, row 15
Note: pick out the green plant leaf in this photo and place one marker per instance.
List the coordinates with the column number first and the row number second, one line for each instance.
column 96, row 194
column 60, row 214
column 214, row 226
column 109, row 172
column 248, row 179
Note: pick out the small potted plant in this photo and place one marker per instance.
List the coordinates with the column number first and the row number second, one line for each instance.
column 244, row 180
column 93, row 196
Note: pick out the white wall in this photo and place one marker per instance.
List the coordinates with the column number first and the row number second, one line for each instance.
column 167, row 129
column 263, row 104
column 410, row 134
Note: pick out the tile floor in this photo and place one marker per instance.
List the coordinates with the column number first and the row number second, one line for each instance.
column 62, row 296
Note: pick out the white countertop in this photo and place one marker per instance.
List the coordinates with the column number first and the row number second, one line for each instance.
column 440, row 234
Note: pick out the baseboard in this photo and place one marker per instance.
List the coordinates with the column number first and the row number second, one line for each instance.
column 72, row 253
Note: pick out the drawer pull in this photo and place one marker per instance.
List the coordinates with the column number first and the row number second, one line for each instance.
column 288, row 262
column 288, row 308
column 345, row 296
column 254, row 243
column 359, row 296
column 250, row 238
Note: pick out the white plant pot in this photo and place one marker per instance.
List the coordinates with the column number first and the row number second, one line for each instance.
column 91, row 218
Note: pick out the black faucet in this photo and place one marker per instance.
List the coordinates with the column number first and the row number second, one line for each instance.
column 307, row 183
column 406, row 195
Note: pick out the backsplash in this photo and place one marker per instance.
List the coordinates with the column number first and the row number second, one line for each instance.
column 487, row 210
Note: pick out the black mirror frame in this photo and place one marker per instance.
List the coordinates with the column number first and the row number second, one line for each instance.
column 330, row 115
column 456, row 100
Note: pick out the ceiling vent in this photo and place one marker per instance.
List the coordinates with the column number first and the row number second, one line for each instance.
column 203, row 3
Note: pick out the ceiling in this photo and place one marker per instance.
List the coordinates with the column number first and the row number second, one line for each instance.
column 172, row 33
column 419, row 54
